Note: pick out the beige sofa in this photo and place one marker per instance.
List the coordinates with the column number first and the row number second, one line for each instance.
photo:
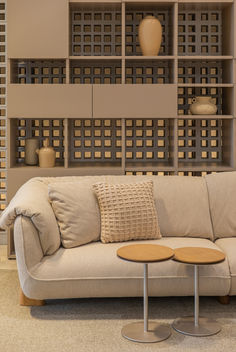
column 192, row 211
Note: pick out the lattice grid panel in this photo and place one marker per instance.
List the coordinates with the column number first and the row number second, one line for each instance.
column 147, row 140
column 186, row 94
column 200, row 32
column 149, row 173
column 96, row 31
column 39, row 71
column 95, row 72
column 95, row 140
column 200, row 140
column 3, row 114
column 195, row 173
column 200, row 72
column 132, row 20
column 148, row 72
column 40, row 128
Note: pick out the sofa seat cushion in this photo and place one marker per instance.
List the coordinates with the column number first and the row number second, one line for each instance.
column 222, row 199
column 228, row 245
column 94, row 270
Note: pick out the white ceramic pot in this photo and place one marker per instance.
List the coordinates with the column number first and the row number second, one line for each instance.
column 47, row 155
column 203, row 106
column 150, row 34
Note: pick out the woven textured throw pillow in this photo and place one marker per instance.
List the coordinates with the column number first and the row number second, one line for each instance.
column 127, row 211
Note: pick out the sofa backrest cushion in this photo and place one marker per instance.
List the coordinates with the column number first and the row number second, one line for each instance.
column 77, row 212
column 182, row 206
column 181, row 202
column 222, row 199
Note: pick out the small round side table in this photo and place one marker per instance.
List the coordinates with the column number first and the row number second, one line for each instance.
column 145, row 253
column 197, row 326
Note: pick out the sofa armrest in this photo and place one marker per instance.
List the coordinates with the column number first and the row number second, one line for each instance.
column 31, row 200
column 28, row 249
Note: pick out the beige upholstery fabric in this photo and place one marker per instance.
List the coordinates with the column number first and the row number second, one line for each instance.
column 222, row 198
column 228, row 246
column 77, row 212
column 94, row 270
column 31, row 200
column 127, row 211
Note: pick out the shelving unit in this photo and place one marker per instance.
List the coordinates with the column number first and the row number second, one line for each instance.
column 106, row 109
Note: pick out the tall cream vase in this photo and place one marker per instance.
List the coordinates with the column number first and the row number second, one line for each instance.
column 150, row 34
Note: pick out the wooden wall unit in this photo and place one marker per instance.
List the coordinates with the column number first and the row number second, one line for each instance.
column 77, row 75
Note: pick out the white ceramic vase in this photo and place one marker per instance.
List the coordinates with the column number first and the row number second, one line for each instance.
column 150, row 34
column 203, row 106
column 47, row 155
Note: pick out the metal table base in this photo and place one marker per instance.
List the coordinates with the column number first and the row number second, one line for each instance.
column 196, row 326
column 146, row 331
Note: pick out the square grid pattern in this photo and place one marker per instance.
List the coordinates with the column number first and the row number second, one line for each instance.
column 186, row 94
column 96, row 31
column 39, row 71
column 40, row 128
column 200, row 72
column 147, row 140
column 95, row 140
column 200, row 32
column 3, row 115
column 95, row 72
column 149, row 173
column 200, row 140
column 132, row 20
column 148, row 72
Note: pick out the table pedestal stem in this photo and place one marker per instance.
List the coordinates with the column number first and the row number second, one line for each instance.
column 196, row 295
column 145, row 297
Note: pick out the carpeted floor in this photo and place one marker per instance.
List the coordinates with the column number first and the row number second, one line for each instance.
column 94, row 325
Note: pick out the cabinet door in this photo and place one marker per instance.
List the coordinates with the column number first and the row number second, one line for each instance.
column 134, row 101
column 37, row 28
column 49, row 101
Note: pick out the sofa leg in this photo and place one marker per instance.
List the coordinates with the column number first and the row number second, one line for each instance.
column 25, row 301
column 224, row 299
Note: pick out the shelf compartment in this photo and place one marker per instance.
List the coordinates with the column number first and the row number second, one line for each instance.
column 205, row 71
column 21, row 129
column 222, row 96
column 38, row 71
column 149, row 143
column 204, row 29
column 95, row 29
column 135, row 13
column 94, row 142
column 95, row 72
column 148, row 72
column 204, row 143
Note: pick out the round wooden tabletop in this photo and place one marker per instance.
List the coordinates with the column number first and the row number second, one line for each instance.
column 198, row 255
column 145, row 253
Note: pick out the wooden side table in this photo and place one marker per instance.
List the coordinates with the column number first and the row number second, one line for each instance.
column 196, row 256
column 145, row 253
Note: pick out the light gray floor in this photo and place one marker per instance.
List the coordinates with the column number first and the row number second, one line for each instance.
column 84, row 325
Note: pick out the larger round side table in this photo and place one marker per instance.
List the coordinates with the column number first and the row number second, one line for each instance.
column 145, row 253
column 195, row 325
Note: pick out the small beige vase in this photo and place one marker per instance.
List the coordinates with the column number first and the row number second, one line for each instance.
column 203, row 106
column 47, row 155
column 150, row 34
